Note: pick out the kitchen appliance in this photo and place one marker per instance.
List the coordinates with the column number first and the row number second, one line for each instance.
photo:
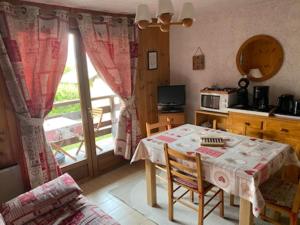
column 242, row 93
column 297, row 108
column 261, row 97
column 218, row 99
column 285, row 104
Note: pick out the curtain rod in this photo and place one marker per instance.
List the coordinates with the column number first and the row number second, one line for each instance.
column 70, row 9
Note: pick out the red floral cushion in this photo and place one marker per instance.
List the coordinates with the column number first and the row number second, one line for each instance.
column 79, row 211
column 40, row 200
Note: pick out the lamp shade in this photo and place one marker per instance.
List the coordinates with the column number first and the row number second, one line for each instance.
column 165, row 6
column 187, row 12
column 143, row 14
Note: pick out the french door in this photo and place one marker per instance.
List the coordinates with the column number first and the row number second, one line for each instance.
column 80, row 127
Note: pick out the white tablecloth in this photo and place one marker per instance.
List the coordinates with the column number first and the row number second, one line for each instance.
column 239, row 168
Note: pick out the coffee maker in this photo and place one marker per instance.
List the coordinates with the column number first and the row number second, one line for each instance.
column 242, row 93
column 261, row 97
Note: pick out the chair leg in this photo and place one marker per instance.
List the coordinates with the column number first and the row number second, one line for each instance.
column 79, row 148
column 200, row 209
column 221, row 206
column 293, row 219
column 170, row 201
column 192, row 196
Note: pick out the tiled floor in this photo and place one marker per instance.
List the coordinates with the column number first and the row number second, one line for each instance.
column 97, row 190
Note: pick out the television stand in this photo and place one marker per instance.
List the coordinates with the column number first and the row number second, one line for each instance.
column 171, row 109
column 176, row 118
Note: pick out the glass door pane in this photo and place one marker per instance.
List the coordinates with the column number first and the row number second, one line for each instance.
column 105, row 108
column 63, row 125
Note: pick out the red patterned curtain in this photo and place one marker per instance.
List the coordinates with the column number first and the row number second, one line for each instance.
column 112, row 45
column 33, row 49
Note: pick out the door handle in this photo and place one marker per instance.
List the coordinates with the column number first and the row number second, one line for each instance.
column 247, row 123
column 284, row 130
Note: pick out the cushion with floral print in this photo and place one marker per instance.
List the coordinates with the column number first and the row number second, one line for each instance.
column 41, row 200
column 79, row 211
column 279, row 192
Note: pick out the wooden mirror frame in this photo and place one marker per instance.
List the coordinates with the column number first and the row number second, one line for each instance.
column 275, row 64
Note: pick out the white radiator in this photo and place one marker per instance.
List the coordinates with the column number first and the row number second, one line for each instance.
column 11, row 184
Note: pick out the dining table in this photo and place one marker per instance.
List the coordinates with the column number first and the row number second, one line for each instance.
column 238, row 168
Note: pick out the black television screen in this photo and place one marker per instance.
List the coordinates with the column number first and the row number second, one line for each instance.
column 173, row 95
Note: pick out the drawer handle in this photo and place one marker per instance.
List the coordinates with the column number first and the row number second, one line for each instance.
column 284, row 130
column 247, row 124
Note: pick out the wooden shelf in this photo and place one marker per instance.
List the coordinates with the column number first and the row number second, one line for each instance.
column 211, row 113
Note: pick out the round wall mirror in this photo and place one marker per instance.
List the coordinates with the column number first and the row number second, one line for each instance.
column 260, row 58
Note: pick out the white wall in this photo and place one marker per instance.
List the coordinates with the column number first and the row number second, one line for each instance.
column 220, row 32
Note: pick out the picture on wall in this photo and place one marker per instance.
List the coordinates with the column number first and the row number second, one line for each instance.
column 152, row 60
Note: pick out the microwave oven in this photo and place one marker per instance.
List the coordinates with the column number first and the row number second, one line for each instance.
column 217, row 100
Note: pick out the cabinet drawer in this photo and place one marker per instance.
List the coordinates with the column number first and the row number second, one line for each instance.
column 282, row 129
column 239, row 120
column 175, row 118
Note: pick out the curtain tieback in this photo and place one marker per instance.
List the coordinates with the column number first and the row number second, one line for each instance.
column 31, row 121
column 129, row 105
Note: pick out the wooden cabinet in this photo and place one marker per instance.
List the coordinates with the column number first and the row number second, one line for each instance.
column 285, row 131
column 243, row 124
column 176, row 119
column 217, row 120
column 270, row 128
column 9, row 138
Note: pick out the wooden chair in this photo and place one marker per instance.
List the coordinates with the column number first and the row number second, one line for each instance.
column 97, row 114
column 191, row 179
column 281, row 196
column 154, row 128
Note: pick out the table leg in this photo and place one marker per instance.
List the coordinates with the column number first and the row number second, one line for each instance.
column 246, row 217
column 151, row 182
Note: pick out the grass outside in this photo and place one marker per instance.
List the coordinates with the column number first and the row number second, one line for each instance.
column 76, row 145
column 65, row 92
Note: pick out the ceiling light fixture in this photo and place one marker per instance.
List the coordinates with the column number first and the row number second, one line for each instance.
column 164, row 16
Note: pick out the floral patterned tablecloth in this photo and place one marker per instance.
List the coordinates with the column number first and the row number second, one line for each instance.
column 62, row 128
column 239, row 168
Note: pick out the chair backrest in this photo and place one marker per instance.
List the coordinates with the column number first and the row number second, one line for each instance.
column 294, row 169
column 97, row 113
column 177, row 167
column 154, row 128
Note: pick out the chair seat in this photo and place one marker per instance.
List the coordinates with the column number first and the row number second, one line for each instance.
column 192, row 185
column 279, row 192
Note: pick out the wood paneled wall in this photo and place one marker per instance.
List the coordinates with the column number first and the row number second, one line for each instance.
column 9, row 140
column 151, row 39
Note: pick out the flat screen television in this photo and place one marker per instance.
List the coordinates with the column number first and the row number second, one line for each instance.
column 171, row 96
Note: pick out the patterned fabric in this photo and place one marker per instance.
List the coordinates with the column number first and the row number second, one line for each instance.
column 33, row 54
column 239, row 168
column 78, row 212
column 112, row 45
column 62, row 128
column 58, row 202
column 41, row 200
column 279, row 192
column 191, row 184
